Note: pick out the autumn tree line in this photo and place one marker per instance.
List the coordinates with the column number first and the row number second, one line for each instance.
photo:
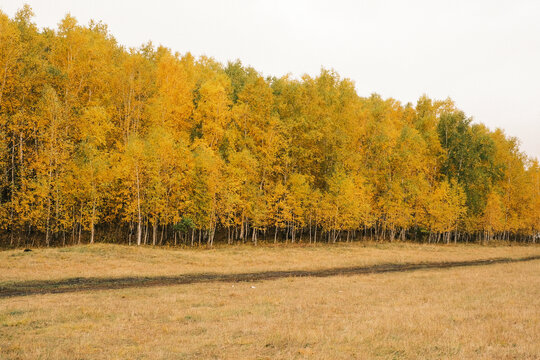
column 145, row 146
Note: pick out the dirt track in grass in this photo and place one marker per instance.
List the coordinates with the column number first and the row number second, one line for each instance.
column 25, row 288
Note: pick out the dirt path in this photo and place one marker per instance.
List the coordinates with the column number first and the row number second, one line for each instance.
column 25, row 288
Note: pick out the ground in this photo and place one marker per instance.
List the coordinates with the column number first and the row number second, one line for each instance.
column 487, row 312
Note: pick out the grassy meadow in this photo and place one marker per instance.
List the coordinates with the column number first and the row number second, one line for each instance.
column 478, row 312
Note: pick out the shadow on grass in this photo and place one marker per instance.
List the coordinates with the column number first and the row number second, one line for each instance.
column 34, row 287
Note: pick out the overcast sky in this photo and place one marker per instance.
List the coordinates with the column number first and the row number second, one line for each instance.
column 485, row 55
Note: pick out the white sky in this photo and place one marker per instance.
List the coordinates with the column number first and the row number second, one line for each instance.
column 484, row 54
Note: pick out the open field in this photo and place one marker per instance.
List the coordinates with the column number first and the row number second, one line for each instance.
column 487, row 312
column 104, row 260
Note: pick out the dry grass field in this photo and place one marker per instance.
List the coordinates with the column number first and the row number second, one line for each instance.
column 104, row 260
column 478, row 312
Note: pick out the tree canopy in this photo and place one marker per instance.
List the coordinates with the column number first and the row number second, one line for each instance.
column 100, row 142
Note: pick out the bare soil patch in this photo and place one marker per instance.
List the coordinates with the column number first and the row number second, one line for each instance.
column 33, row 287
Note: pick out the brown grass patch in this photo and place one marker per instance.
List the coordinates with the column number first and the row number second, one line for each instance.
column 103, row 260
column 488, row 312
